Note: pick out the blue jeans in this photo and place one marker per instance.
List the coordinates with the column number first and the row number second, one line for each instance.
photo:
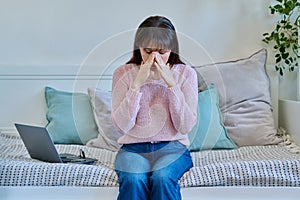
column 151, row 170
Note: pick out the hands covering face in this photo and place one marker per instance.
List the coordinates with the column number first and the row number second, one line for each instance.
column 164, row 70
column 154, row 62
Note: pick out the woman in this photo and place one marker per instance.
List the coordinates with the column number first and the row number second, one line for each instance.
column 154, row 106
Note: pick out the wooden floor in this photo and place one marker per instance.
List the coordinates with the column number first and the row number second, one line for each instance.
column 99, row 193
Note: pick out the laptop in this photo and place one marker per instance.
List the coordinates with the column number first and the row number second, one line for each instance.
column 41, row 147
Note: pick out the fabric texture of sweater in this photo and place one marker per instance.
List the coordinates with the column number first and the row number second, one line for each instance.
column 156, row 112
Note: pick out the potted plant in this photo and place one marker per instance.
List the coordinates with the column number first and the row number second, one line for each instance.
column 285, row 34
column 285, row 40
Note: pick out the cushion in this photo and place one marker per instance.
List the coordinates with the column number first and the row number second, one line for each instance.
column 209, row 131
column 108, row 136
column 70, row 117
column 244, row 98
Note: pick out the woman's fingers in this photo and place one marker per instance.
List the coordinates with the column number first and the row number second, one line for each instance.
column 159, row 60
column 164, row 70
column 150, row 59
column 160, row 63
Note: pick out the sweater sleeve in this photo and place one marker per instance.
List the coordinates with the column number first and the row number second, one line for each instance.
column 184, row 101
column 125, row 102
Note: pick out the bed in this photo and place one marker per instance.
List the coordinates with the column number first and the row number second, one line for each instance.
column 238, row 151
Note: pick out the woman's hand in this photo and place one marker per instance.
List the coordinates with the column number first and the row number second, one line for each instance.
column 164, row 70
column 144, row 73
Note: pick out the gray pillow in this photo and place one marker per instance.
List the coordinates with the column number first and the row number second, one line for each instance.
column 108, row 136
column 245, row 103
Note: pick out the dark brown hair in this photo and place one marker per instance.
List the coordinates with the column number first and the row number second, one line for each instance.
column 159, row 31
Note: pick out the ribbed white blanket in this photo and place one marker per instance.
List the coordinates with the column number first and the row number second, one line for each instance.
column 273, row 165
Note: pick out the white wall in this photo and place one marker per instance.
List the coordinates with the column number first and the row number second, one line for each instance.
column 64, row 32
column 51, row 42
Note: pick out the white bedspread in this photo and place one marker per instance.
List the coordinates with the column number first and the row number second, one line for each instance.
column 247, row 166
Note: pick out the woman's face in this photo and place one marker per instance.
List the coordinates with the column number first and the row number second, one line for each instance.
column 163, row 53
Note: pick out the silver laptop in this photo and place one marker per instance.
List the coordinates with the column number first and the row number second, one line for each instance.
column 41, row 147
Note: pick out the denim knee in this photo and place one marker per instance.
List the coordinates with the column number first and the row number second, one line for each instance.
column 164, row 186
column 132, row 178
column 163, row 177
column 133, row 186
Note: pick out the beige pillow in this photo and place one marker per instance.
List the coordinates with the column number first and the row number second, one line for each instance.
column 245, row 102
column 108, row 136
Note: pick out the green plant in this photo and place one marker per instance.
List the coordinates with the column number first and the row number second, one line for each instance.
column 285, row 34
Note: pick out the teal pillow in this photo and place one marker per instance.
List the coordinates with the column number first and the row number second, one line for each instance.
column 209, row 131
column 70, row 117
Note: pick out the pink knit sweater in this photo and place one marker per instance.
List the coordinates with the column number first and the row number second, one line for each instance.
column 156, row 112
